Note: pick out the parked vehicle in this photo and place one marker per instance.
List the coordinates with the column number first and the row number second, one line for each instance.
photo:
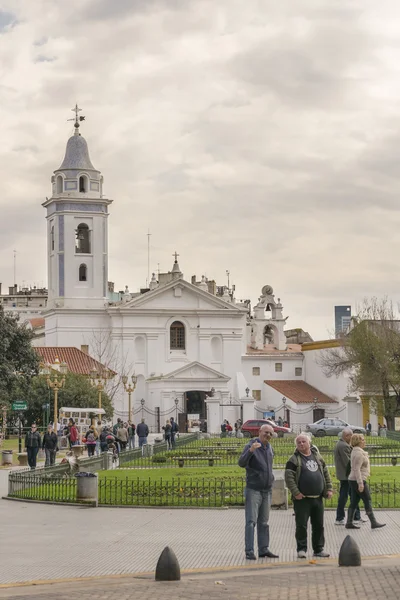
column 251, row 428
column 331, row 427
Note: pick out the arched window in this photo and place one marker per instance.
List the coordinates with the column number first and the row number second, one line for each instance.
column 177, row 336
column 82, row 273
column 60, row 184
column 82, row 243
column 83, row 184
column 52, row 237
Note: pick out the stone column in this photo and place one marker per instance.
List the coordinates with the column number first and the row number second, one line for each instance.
column 213, row 415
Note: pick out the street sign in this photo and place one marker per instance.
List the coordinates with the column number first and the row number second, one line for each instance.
column 19, row 405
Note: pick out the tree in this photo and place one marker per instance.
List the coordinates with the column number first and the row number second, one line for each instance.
column 76, row 393
column 18, row 360
column 370, row 355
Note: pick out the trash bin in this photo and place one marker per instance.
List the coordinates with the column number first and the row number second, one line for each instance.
column 87, row 487
column 7, row 457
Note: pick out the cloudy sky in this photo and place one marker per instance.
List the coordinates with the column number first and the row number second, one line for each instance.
column 256, row 136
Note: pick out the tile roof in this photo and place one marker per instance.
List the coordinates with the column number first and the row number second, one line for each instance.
column 78, row 362
column 299, row 392
column 36, row 322
column 272, row 350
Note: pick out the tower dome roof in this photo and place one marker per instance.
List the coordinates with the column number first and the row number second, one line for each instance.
column 77, row 154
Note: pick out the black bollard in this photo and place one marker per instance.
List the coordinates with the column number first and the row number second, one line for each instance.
column 349, row 554
column 167, row 568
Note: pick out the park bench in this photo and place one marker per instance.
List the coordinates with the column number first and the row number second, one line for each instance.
column 181, row 459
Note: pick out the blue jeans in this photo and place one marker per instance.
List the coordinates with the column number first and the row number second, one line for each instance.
column 131, row 442
column 142, row 441
column 256, row 508
column 345, row 491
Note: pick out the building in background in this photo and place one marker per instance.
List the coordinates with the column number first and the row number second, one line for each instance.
column 342, row 319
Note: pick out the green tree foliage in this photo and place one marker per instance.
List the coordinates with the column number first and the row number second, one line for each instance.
column 370, row 356
column 77, row 393
column 18, row 360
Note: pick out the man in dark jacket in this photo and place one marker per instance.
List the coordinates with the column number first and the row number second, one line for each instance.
column 308, row 480
column 174, row 431
column 257, row 458
column 49, row 445
column 341, row 454
column 32, row 445
column 142, row 431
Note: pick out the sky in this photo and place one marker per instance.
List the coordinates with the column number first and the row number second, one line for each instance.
column 258, row 137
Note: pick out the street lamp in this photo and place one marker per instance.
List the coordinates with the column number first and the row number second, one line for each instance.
column 129, row 388
column 284, row 408
column 98, row 381
column 176, row 409
column 55, row 383
column 142, row 403
column 247, row 390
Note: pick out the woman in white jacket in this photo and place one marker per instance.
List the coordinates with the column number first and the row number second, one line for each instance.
column 360, row 471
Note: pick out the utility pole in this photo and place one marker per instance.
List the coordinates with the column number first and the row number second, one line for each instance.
column 148, row 257
column 227, row 274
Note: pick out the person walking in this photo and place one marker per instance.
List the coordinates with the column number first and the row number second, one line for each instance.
column 122, row 436
column 103, row 439
column 73, row 434
column 98, row 431
column 91, row 437
column 131, row 436
column 174, row 431
column 50, row 446
column 308, row 480
column 360, row 471
column 368, row 427
column 167, row 434
column 257, row 458
column 341, row 453
column 142, row 432
column 32, row 445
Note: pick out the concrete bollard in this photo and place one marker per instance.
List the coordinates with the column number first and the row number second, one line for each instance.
column 87, row 488
column 349, row 554
column 167, row 568
column 279, row 494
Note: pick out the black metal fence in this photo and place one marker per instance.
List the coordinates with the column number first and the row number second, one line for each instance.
column 40, row 486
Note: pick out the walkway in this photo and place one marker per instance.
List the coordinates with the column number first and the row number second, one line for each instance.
column 51, row 542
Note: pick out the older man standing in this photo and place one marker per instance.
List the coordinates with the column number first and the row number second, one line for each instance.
column 342, row 453
column 257, row 458
column 308, row 480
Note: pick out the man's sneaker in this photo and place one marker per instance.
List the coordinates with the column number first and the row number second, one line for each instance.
column 339, row 522
column 302, row 554
column 321, row 554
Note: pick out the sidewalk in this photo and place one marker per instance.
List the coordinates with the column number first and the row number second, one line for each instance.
column 374, row 580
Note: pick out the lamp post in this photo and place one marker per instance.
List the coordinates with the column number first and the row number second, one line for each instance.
column 130, row 388
column 142, row 403
column 176, row 409
column 98, row 381
column 284, row 408
column 247, row 390
column 55, row 383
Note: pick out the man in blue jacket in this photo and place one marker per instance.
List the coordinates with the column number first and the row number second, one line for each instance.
column 257, row 458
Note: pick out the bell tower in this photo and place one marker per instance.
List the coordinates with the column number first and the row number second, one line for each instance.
column 77, row 233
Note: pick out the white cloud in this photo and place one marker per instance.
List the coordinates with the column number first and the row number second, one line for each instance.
column 256, row 136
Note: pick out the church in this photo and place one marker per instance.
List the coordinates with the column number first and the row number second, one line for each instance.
column 197, row 352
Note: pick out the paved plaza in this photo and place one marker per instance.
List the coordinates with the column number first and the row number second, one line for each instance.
column 47, row 542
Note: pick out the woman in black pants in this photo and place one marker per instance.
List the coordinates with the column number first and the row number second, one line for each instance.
column 360, row 471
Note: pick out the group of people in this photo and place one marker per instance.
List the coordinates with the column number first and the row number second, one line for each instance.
column 228, row 431
column 308, row 480
column 170, row 431
column 34, row 441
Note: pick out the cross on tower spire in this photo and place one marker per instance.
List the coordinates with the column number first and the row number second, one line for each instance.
column 77, row 119
column 175, row 255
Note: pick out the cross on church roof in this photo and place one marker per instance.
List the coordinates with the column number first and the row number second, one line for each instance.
column 77, row 118
column 175, row 254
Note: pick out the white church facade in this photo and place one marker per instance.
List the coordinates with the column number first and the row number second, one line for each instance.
column 194, row 351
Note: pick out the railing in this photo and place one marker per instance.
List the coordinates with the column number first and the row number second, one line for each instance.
column 43, row 487
column 188, row 492
column 393, row 435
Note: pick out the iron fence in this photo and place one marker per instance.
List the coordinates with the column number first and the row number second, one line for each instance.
column 44, row 487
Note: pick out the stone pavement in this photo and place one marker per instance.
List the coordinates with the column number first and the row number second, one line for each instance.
column 373, row 581
column 46, row 542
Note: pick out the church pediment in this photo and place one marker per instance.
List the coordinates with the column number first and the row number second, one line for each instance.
column 196, row 371
column 182, row 295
